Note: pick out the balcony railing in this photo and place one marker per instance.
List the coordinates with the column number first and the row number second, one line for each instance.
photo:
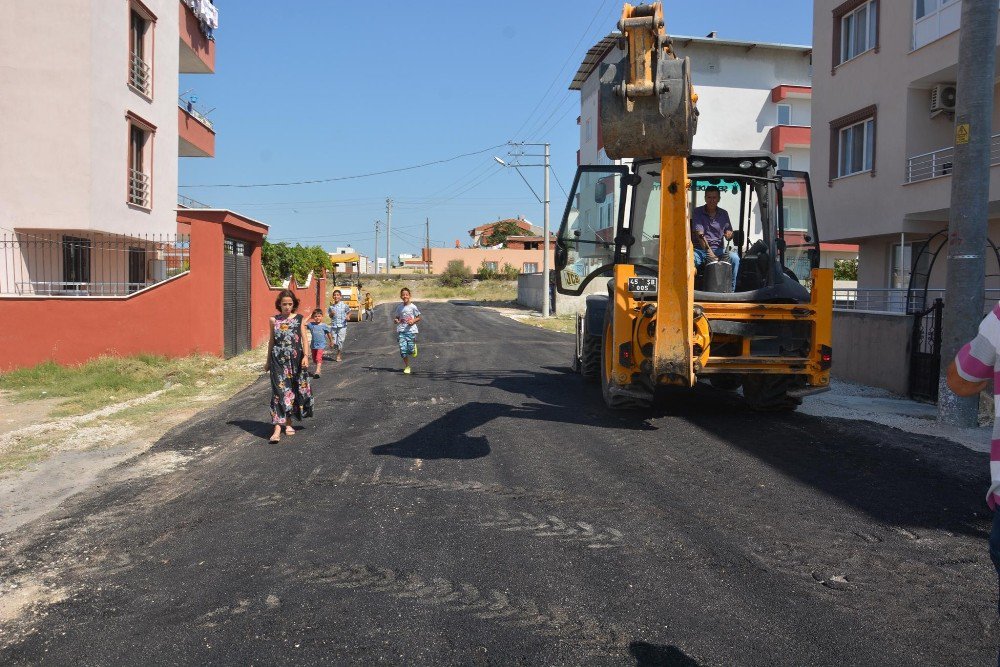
column 51, row 264
column 198, row 114
column 893, row 300
column 139, row 76
column 138, row 188
column 940, row 162
column 188, row 202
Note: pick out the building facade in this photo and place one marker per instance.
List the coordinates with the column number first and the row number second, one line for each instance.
column 93, row 128
column 751, row 96
column 883, row 100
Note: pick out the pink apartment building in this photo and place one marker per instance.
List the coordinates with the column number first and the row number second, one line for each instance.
column 91, row 135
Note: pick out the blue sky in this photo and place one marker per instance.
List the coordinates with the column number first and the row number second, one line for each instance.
column 316, row 90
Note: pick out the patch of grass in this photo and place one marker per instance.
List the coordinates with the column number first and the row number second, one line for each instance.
column 108, row 380
column 560, row 323
column 22, row 454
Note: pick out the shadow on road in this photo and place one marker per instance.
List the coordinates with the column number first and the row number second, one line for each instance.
column 654, row 655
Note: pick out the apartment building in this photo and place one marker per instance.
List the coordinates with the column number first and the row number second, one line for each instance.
column 92, row 130
column 751, row 96
column 883, row 100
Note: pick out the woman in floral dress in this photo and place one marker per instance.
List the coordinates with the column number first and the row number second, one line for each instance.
column 291, row 395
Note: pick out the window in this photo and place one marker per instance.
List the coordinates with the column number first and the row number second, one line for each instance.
column 923, row 7
column 76, row 263
column 784, row 162
column 900, row 266
column 933, row 19
column 855, row 28
column 784, row 114
column 140, row 46
column 140, row 162
column 856, row 148
column 852, row 143
column 490, row 266
column 530, row 267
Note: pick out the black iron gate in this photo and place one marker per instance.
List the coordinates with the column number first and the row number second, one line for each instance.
column 236, row 298
column 925, row 353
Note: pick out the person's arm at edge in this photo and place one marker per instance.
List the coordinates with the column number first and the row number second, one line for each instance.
column 960, row 386
column 270, row 346
column 302, row 337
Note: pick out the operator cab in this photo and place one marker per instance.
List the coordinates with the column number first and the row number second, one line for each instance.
column 613, row 216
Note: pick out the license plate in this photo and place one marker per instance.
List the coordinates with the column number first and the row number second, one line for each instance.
column 642, row 285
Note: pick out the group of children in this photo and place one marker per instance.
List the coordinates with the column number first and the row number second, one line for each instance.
column 406, row 316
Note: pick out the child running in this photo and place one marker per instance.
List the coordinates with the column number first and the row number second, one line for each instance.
column 338, row 311
column 320, row 333
column 406, row 317
column 369, row 307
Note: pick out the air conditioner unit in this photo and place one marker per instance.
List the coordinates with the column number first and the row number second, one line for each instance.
column 942, row 98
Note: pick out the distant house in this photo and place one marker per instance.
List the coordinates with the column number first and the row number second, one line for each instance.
column 484, row 231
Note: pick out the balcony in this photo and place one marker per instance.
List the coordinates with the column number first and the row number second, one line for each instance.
column 790, row 136
column 195, row 132
column 936, row 164
column 197, row 49
column 784, row 92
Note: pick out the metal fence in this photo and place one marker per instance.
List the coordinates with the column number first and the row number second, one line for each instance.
column 139, row 74
column 940, row 162
column 138, row 188
column 41, row 264
column 890, row 300
column 200, row 114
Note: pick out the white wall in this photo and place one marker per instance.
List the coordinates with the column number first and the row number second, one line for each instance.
column 64, row 138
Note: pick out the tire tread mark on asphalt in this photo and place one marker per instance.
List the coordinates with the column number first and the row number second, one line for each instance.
column 554, row 527
column 459, row 597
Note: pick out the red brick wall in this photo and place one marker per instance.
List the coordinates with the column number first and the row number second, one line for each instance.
column 178, row 317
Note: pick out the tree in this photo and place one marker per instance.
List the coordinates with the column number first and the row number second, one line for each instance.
column 509, row 272
column 845, row 269
column 500, row 232
column 281, row 261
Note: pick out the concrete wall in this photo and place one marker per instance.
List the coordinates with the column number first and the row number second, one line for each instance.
column 178, row 317
column 64, row 136
column 872, row 348
column 529, row 294
column 474, row 257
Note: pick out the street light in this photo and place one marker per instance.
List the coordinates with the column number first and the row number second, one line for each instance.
column 545, row 218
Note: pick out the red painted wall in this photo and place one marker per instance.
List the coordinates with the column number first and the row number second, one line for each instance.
column 178, row 317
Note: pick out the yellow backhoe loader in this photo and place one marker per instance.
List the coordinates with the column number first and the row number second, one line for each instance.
column 662, row 322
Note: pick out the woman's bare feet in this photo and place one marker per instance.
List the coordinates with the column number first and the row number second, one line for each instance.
column 276, row 435
column 289, row 430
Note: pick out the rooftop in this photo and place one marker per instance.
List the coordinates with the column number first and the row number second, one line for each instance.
column 598, row 51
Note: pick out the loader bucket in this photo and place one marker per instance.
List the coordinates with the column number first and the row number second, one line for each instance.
column 638, row 123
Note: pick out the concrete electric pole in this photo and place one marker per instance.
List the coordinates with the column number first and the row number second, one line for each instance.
column 545, row 240
column 376, row 246
column 427, row 244
column 970, row 183
column 388, row 235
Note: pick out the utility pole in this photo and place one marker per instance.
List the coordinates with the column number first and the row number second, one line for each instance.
column 970, row 182
column 388, row 235
column 376, row 247
column 545, row 239
column 427, row 244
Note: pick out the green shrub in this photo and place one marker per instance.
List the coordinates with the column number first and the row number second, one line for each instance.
column 455, row 274
column 509, row 272
column 281, row 260
column 486, row 272
column 845, row 269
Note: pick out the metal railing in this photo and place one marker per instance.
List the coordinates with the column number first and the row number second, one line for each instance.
column 188, row 202
column 198, row 114
column 940, row 162
column 138, row 188
column 92, row 264
column 892, row 300
column 139, row 75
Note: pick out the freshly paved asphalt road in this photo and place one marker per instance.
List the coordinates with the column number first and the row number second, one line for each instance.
column 489, row 510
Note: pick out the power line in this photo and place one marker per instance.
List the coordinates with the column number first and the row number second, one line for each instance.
column 344, row 178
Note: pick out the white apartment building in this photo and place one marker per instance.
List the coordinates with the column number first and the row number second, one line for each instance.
column 751, row 96
column 884, row 87
column 91, row 134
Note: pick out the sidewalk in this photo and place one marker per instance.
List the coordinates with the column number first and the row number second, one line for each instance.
column 846, row 400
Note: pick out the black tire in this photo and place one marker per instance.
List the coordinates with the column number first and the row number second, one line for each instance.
column 636, row 399
column 769, row 393
column 590, row 362
column 726, row 382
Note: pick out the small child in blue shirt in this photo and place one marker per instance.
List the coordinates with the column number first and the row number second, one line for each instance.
column 406, row 317
column 320, row 333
